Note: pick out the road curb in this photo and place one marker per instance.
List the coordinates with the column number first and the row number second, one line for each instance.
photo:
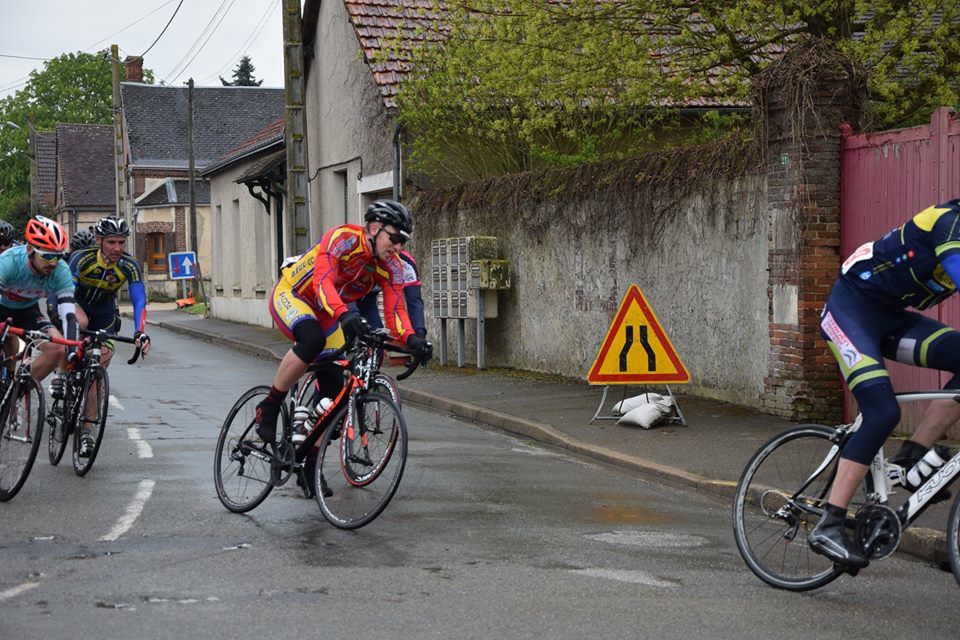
column 923, row 543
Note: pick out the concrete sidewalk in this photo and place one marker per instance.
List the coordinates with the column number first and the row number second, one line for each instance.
column 707, row 455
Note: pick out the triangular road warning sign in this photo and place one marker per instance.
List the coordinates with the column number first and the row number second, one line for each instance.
column 636, row 349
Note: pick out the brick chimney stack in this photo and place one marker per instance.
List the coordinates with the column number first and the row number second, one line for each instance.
column 134, row 65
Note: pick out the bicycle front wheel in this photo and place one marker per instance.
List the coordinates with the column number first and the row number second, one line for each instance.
column 241, row 469
column 361, row 460
column 20, row 436
column 91, row 417
column 953, row 538
column 778, row 501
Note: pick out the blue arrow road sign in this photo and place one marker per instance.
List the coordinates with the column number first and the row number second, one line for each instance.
column 183, row 264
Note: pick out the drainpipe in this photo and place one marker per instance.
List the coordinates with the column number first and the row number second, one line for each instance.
column 397, row 162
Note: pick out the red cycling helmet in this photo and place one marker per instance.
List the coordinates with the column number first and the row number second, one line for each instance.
column 45, row 234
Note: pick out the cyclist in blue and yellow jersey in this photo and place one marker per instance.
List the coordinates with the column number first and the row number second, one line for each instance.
column 32, row 271
column 865, row 320
column 310, row 301
column 99, row 272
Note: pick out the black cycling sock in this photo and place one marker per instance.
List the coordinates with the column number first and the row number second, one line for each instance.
column 275, row 396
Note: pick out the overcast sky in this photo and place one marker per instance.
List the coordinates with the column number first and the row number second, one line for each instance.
column 229, row 29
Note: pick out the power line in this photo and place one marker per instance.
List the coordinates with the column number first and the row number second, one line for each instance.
column 224, row 15
column 257, row 30
column 164, row 29
column 183, row 62
column 131, row 24
column 10, row 55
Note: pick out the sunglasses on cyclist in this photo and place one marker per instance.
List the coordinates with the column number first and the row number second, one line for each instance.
column 396, row 237
column 49, row 256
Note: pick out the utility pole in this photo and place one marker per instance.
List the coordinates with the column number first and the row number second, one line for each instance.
column 296, row 203
column 191, row 191
column 119, row 168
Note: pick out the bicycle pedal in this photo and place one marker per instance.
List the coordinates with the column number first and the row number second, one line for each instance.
column 851, row 571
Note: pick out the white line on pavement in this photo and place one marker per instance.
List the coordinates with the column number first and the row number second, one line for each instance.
column 133, row 511
column 143, row 447
column 116, row 403
column 15, row 591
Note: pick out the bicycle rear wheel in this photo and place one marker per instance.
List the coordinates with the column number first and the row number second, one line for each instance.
column 770, row 524
column 20, row 436
column 241, row 469
column 357, row 467
column 95, row 401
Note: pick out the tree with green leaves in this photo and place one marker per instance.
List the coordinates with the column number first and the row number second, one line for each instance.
column 501, row 86
column 243, row 75
column 72, row 88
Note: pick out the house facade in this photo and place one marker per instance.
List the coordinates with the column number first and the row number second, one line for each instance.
column 353, row 140
column 253, row 237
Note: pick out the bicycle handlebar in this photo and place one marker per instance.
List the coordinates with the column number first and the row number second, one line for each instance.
column 34, row 334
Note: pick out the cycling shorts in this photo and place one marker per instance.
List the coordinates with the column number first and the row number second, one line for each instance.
column 29, row 319
column 287, row 309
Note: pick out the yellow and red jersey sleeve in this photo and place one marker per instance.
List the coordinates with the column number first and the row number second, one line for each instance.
column 339, row 246
column 396, row 319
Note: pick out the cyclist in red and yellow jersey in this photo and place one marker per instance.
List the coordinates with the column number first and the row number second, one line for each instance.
column 309, row 302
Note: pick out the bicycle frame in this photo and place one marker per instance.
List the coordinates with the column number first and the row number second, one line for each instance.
column 886, row 477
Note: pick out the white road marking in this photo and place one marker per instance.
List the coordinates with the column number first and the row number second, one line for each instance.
column 116, row 403
column 13, row 592
column 624, row 575
column 657, row 539
column 143, row 447
column 144, row 490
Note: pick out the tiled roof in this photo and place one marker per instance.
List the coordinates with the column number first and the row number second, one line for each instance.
column 175, row 191
column 378, row 24
column 223, row 117
column 85, row 165
column 46, row 154
column 265, row 139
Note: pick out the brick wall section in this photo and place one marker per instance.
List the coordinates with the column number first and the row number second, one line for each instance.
column 803, row 381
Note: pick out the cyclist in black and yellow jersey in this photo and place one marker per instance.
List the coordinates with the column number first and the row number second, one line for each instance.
column 98, row 274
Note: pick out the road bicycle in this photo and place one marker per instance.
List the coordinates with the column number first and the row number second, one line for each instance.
column 85, row 401
column 783, row 492
column 355, row 449
column 21, row 409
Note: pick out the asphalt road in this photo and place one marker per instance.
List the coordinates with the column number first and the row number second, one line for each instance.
column 488, row 537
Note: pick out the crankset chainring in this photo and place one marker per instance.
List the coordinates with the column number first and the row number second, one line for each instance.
column 878, row 531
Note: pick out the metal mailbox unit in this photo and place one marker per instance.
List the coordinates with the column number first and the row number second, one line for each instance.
column 465, row 275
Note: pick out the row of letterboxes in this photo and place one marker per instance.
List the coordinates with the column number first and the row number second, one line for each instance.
column 465, row 271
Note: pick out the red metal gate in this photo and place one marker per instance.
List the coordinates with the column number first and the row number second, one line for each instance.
column 885, row 178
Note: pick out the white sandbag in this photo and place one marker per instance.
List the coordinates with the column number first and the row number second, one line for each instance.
column 625, row 406
column 644, row 416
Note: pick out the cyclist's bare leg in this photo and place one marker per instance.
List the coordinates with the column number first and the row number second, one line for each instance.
column 51, row 355
column 290, row 370
column 939, row 416
column 849, row 476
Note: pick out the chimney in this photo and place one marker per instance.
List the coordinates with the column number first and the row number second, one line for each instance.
column 134, row 65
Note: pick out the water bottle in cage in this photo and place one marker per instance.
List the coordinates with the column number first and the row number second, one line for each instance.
column 932, row 460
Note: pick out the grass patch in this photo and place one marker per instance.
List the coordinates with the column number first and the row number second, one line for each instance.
column 198, row 309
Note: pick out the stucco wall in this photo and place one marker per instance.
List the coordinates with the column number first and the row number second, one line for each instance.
column 350, row 134
column 244, row 256
column 700, row 259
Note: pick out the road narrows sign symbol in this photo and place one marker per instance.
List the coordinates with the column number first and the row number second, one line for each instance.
column 636, row 349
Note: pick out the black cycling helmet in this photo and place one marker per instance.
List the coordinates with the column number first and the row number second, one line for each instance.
column 82, row 239
column 6, row 232
column 390, row 212
column 112, row 226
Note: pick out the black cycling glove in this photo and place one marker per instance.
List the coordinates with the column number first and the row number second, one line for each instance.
column 353, row 325
column 423, row 348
